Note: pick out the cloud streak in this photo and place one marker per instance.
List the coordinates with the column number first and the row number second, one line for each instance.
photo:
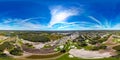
column 21, row 24
column 96, row 20
column 60, row 14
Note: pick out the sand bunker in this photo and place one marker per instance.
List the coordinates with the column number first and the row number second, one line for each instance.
column 81, row 53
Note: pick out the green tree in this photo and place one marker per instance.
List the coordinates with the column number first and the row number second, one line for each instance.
column 16, row 51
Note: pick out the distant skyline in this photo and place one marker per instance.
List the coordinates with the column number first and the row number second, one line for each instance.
column 60, row 15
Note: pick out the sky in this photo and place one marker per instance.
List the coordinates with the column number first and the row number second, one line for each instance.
column 59, row 14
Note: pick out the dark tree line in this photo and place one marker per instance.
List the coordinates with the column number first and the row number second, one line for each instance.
column 34, row 37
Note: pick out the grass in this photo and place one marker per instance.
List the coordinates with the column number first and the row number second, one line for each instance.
column 66, row 57
column 47, row 46
column 116, row 40
column 1, row 41
column 7, row 58
column 88, row 47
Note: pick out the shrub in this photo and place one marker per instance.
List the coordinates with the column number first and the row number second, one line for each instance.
column 16, row 51
column 117, row 48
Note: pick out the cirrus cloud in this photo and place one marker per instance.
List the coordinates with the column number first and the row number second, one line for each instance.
column 60, row 14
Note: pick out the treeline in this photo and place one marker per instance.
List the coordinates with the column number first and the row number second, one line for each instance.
column 34, row 37
column 37, row 36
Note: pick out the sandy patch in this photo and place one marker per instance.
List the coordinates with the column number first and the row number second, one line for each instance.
column 81, row 53
column 3, row 37
column 39, row 46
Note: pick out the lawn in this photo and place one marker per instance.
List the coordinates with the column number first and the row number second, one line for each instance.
column 6, row 58
column 66, row 57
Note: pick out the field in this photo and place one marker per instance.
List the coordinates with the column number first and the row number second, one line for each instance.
column 56, row 45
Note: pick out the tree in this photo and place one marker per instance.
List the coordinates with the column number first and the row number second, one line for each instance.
column 6, row 45
column 117, row 48
column 63, row 51
column 16, row 51
column 82, row 44
column 34, row 37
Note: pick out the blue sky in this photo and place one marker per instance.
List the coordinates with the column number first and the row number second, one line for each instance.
column 59, row 15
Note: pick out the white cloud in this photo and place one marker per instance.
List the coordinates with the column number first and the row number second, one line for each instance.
column 60, row 14
column 96, row 20
column 26, row 24
column 73, row 26
column 117, row 26
column 101, row 25
column 20, row 24
column 7, row 21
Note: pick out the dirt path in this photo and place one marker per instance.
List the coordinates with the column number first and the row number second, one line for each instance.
column 110, row 44
column 52, row 58
column 109, row 41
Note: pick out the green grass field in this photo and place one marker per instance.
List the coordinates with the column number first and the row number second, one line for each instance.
column 6, row 58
